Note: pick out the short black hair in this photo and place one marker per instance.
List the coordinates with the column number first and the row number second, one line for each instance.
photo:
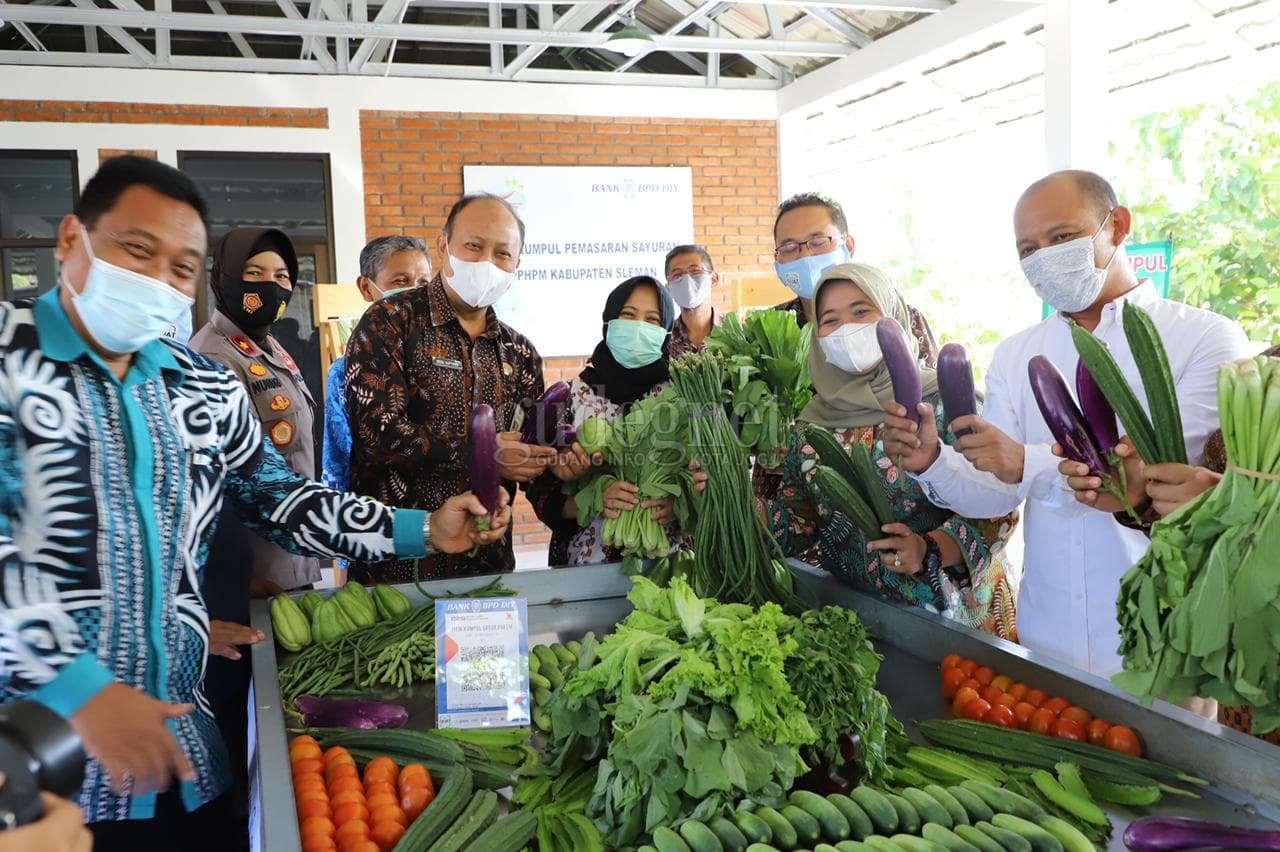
column 463, row 202
column 688, row 249
column 812, row 199
column 375, row 254
column 119, row 173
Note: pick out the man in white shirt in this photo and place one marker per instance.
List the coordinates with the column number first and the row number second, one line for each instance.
column 1070, row 231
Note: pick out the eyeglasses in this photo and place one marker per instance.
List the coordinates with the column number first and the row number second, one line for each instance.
column 816, row 245
column 692, row 271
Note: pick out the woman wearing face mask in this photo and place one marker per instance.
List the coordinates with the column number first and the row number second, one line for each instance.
column 628, row 364
column 930, row 557
column 254, row 270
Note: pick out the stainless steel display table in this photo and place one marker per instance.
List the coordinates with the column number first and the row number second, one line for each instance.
column 565, row 603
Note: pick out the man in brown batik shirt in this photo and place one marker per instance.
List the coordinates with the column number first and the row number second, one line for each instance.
column 420, row 361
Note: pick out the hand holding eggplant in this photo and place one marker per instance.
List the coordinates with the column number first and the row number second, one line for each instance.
column 454, row 525
column 521, row 462
column 989, row 449
column 1089, row 488
column 903, row 552
column 913, row 446
column 1172, row 485
column 573, row 462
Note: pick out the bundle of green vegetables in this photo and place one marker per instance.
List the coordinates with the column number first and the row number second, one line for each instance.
column 734, row 553
column 694, row 704
column 1200, row 613
column 767, row 377
column 646, row 447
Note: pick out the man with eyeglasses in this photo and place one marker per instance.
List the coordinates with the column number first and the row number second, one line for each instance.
column 810, row 234
column 1070, row 231
column 691, row 279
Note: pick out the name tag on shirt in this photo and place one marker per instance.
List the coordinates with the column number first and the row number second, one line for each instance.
column 447, row 363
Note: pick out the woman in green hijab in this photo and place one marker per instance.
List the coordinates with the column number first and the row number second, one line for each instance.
column 930, row 557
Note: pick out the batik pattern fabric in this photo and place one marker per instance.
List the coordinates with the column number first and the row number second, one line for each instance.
column 680, row 344
column 977, row 593
column 413, row 376
column 109, row 490
column 335, row 468
column 572, row 544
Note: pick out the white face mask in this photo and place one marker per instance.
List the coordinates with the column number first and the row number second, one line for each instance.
column 690, row 291
column 478, row 283
column 1066, row 276
column 853, row 347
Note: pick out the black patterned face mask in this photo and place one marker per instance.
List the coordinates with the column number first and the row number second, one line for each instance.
column 254, row 305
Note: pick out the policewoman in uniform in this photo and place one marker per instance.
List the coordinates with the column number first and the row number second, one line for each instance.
column 254, row 270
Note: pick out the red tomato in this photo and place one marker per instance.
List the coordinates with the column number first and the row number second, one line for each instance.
column 1001, row 715
column 963, row 696
column 972, row 684
column 968, row 666
column 1057, row 705
column 991, row 693
column 1023, row 712
column 951, row 680
column 977, row 709
column 1077, row 714
column 1041, row 721
column 1097, row 731
column 1019, row 690
column 1006, row 699
column 984, row 675
column 951, row 661
column 1124, row 740
column 1002, row 681
column 1035, row 697
column 1069, row 729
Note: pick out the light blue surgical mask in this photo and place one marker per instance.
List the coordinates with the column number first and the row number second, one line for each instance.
column 801, row 275
column 123, row 310
column 635, row 343
column 181, row 329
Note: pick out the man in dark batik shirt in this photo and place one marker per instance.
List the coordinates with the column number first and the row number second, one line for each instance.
column 419, row 362
column 691, row 280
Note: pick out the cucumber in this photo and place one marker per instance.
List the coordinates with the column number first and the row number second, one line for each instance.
column 1071, row 838
column 1010, row 841
column 563, row 655
column 956, row 810
column 859, row 823
column 825, row 847
column 911, row 843
column 976, row 837
column 699, row 837
column 908, row 816
column 808, row 831
column 876, row 843
column 666, row 840
column 852, row 846
column 926, row 806
column 947, row 839
column 831, row 821
column 879, row 808
column 1004, row 801
column 1041, row 840
column 972, row 803
column 754, row 829
column 783, row 833
column 761, row 847
column 730, row 837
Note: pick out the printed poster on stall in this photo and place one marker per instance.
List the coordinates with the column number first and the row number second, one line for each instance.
column 587, row 229
column 482, row 662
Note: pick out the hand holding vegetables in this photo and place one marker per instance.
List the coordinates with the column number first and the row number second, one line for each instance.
column 989, row 449
column 1172, row 485
column 903, row 552
column 573, row 461
column 1088, row 486
column 914, row 442
column 521, row 462
column 453, row 525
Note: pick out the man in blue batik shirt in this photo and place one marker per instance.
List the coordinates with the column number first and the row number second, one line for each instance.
column 117, row 449
column 387, row 266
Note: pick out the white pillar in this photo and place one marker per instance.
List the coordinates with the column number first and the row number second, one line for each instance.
column 1076, row 124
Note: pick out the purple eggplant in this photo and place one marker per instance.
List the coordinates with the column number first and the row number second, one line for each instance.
column 351, row 713
column 1172, row 834
column 542, row 422
column 486, row 475
column 1098, row 413
column 955, row 384
column 901, row 361
column 1063, row 416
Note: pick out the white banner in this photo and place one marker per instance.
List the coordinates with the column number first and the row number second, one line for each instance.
column 588, row 229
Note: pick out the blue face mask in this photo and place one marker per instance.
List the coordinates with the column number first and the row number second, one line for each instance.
column 123, row 310
column 181, row 330
column 635, row 343
column 801, row 275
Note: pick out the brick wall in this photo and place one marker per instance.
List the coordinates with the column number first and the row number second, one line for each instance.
column 413, row 173
column 109, row 112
